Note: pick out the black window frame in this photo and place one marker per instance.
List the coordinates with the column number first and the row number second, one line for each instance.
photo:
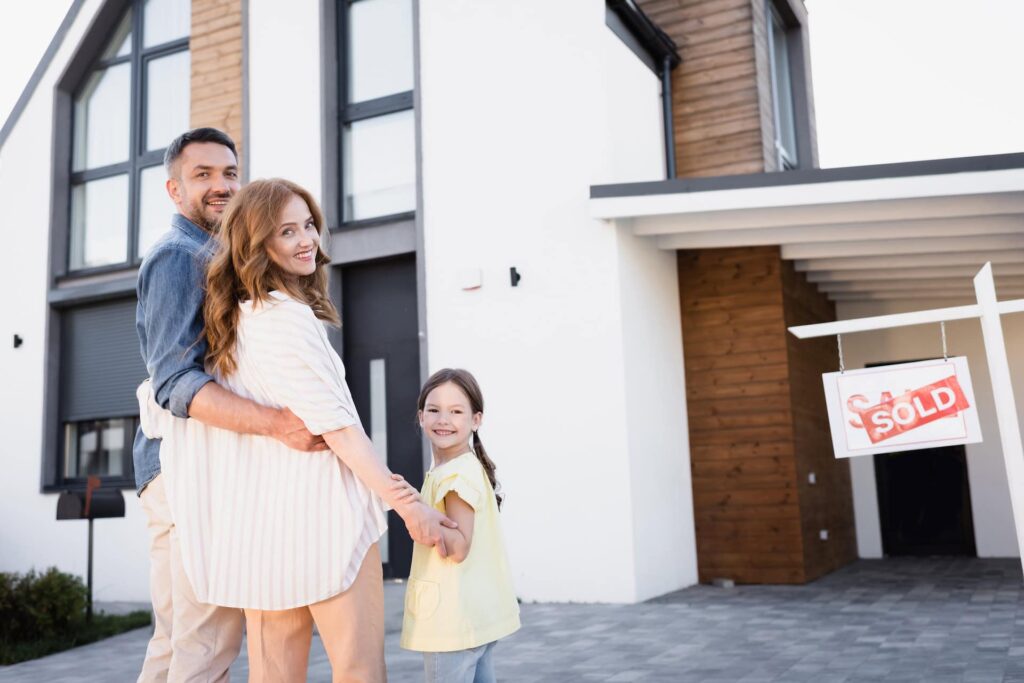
column 349, row 113
column 139, row 159
column 791, row 16
column 68, row 290
column 124, row 481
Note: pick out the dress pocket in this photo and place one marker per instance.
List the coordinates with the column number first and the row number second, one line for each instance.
column 422, row 598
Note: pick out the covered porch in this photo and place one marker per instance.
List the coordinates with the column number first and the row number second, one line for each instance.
column 759, row 253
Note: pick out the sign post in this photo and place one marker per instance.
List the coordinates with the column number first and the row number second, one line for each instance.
column 1006, row 406
column 989, row 311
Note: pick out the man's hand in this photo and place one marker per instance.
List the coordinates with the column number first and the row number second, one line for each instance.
column 424, row 525
column 287, row 428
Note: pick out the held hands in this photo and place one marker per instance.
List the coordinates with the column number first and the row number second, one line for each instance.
column 423, row 522
column 291, row 431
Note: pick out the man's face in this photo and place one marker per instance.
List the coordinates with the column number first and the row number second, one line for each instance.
column 202, row 181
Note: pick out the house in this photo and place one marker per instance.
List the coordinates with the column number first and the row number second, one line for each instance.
column 609, row 212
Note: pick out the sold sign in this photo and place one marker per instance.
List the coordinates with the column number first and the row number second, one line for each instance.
column 874, row 410
column 914, row 409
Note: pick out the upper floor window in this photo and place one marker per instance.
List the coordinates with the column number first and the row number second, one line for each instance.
column 378, row 140
column 782, row 91
column 133, row 101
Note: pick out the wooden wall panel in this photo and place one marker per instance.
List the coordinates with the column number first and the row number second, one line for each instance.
column 828, row 504
column 216, row 46
column 741, row 437
column 718, row 116
column 757, row 421
column 723, row 112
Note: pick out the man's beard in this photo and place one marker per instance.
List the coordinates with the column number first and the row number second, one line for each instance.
column 210, row 225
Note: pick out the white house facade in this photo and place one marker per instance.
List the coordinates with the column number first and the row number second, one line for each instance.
column 608, row 211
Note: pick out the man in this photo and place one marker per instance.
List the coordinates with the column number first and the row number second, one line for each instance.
column 192, row 640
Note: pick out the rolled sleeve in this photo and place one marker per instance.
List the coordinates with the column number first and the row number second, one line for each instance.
column 462, row 483
column 184, row 389
column 171, row 295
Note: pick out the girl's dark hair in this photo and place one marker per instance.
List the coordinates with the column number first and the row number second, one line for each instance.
column 467, row 383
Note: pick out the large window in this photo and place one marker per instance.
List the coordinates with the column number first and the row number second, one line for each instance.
column 378, row 140
column 782, row 91
column 133, row 101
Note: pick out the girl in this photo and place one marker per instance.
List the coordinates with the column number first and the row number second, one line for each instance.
column 456, row 608
column 288, row 536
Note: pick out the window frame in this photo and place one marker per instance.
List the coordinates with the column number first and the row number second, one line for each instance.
column 790, row 16
column 67, row 289
column 786, row 160
column 349, row 113
column 123, row 481
column 139, row 158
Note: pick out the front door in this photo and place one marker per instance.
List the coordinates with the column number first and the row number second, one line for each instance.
column 924, row 502
column 380, row 342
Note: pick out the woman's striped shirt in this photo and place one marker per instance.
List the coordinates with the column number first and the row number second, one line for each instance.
column 260, row 525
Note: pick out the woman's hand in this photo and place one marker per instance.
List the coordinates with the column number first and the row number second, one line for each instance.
column 402, row 491
column 355, row 450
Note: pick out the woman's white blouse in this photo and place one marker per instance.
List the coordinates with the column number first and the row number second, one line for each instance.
column 260, row 525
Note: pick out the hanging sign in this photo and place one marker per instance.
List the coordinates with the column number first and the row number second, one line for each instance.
column 901, row 407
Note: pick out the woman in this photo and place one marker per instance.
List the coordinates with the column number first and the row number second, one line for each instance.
column 288, row 536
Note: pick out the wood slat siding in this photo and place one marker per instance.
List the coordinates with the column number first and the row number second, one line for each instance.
column 718, row 112
column 744, row 474
column 723, row 113
column 764, row 85
column 828, row 504
column 216, row 47
column 757, row 418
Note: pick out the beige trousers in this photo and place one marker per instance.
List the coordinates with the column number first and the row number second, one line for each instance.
column 351, row 625
column 192, row 642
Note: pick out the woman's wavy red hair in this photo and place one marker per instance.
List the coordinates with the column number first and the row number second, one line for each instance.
column 242, row 269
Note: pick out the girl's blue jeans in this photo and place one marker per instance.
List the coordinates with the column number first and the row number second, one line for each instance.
column 462, row 666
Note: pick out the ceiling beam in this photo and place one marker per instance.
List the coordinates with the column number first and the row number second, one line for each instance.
column 1002, row 269
column 800, row 214
column 903, row 246
column 896, row 260
column 974, row 224
column 966, row 283
column 918, row 228
column 955, row 295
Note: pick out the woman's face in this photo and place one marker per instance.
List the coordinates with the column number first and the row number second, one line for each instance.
column 294, row 244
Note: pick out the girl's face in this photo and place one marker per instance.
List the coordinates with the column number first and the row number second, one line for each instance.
column 448, row 420
column 294, row 244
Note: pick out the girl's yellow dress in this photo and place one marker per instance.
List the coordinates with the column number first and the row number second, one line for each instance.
column 456, row 606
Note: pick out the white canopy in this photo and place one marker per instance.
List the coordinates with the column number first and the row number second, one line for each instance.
column 895, row 231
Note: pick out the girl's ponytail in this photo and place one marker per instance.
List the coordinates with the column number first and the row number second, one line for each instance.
column 488, row 465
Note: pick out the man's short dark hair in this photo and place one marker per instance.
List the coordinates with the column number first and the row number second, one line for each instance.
column 179, row 144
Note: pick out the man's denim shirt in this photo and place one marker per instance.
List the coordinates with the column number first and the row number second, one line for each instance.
column 169, row 320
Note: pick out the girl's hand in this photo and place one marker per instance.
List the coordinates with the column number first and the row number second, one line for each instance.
column 402, row 491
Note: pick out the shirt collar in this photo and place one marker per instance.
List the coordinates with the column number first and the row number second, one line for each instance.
column 189, row 228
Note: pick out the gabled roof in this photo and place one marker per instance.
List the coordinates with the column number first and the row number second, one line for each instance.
column 40, row 69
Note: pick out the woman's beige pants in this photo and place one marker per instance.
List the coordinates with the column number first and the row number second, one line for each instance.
column 351, row 626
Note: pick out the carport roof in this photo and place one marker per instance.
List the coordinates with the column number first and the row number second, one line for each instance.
column 909, row 230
